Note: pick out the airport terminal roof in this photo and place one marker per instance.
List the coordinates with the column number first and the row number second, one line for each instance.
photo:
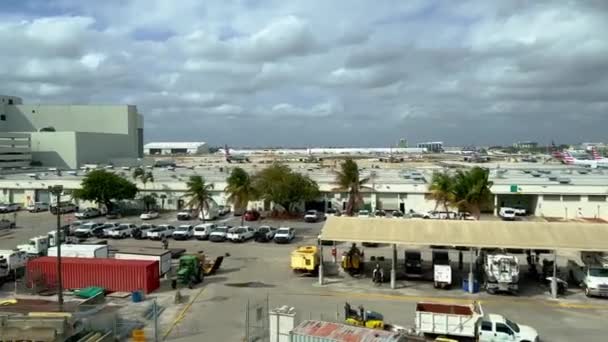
column 457, row 233
column 161, row 145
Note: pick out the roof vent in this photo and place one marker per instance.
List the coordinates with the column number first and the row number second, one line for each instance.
column 564, row 180
column 553, row 178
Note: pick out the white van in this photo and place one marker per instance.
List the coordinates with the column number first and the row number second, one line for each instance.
column 38, row 207
column 202, row 231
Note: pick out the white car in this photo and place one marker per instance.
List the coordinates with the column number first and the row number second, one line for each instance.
column 88, row 213
column 507, row 214
column 142, row 231
column 520, row 211
column 38, row 207
column 363, row 213
column 220, row 234
column 122, row 231
column 183, row 232
column 108, row 227
column 9, row 208
column 186, row 215
column 313, row 216
column 160, row 231
column 88, row 229
column 202, row 231
column 149, row 215
column 241, row 234
column 284, row 235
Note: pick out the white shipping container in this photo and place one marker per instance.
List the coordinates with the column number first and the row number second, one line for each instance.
column 442, row 274
column 162, row 256
column 81, row 251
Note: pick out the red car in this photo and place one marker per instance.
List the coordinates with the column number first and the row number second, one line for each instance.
column 252, row 215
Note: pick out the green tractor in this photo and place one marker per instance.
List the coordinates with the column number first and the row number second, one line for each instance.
column 189, row 271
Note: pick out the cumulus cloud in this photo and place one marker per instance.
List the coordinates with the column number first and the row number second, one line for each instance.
column 464, row 72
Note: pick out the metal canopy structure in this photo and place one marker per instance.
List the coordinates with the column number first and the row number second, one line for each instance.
column 490, row 234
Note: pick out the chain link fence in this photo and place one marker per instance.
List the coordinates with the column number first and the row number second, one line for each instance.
column 256, row 321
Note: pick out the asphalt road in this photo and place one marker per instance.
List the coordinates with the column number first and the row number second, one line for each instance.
column 256, row 272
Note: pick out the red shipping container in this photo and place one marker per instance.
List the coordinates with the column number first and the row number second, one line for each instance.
column 111, row 274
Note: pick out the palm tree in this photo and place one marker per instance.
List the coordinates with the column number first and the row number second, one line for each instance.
column 240, row 189
column 348, row 180
column 143, row 176
column 442, row 185
column 199, row 193
column 472, row 190
column 163, row 197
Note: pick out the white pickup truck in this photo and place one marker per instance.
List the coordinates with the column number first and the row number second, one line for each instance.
column 469, row 322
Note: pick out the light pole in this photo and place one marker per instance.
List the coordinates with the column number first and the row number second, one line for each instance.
column 57, row 190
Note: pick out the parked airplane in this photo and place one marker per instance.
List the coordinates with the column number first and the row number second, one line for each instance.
column 601, row 161
column 238, row 158
column 570, row 160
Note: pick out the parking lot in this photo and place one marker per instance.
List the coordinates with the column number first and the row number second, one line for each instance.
column 255, row 272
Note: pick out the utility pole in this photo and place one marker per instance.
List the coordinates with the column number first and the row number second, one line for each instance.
column 57, row 190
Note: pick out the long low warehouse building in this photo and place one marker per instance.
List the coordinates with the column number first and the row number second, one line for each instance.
column 552, row 192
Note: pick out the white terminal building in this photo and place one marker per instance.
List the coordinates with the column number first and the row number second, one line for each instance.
column 554, row 191
column 67, row 136
column 163, row 148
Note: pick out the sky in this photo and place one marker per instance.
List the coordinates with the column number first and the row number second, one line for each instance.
column 320, row 73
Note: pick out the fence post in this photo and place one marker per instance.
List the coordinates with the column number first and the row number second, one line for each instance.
column 155, row 313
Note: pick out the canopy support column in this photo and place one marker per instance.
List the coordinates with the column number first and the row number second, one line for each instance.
column 320, row 263
column 471, row 277
column 554, row 279
column 394, row 267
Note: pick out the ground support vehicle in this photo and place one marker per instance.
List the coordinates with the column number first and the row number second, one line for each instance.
column 501, row 273
column 305, row 259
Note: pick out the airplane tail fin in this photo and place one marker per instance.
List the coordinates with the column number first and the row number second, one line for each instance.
column 567, row 157
column 595, row 154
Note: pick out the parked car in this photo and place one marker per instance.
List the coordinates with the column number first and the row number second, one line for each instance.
column 380, row 213
column 64, row 208
column 108, row 227
column 363, row 213
column 397, row 214
column 241, row 234
column 89, row 229
column 313, row 216
column 520, row 211
column 284, row 235
column 6, row 224
column 74, row 225
column 141, row 232
column 9, row 207
column 160, row 231
column 88, row 213
column 149, row 215
column 220, row 234
column 202, row 231
column 252, row 215
column 507, row 214
column 122, row 231
column 185, row 215
column 183, row 232
column 37, row 207
column 332, row 212
column 114, row 214
column 265, row 234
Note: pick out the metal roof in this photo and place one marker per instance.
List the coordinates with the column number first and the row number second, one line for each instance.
column 490, row 234
column 162, row 145
column 329, row 331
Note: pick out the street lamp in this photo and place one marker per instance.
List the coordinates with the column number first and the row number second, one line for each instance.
column 57, row 190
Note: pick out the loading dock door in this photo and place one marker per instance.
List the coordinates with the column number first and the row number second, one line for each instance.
column 43, row 196
column 18, row 196
column 388, row 201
